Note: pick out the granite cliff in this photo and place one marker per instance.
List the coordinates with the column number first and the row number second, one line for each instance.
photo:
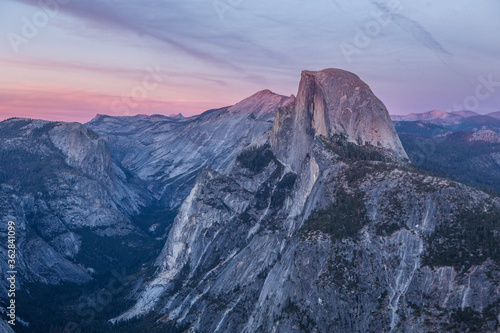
column 325, row 227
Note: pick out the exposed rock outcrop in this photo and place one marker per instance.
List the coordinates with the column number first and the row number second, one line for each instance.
column 333, row 102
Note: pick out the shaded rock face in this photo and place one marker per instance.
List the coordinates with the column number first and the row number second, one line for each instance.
column 333, row 238
column 83, row 149
column 60, row 186
column 487, row 136
column 333, row 102
column 436, row 116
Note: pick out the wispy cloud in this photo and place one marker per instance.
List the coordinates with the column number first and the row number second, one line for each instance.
column 413, row 27
column 104, row 46
column 119, row 72
column 176, row 23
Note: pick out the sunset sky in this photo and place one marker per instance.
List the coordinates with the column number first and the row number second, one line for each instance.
column 72, row 59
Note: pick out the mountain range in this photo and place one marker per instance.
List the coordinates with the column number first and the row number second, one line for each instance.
column 277, row 214
column 460, row 145
column 455, row 120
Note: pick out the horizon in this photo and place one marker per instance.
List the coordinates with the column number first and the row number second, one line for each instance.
column 173, row 115
column 64, row 60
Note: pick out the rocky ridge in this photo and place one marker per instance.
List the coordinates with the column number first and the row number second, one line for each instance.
column 167, row 153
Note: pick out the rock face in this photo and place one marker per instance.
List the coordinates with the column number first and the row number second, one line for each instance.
column 88, row 204
column 167, row 153
column 337, row 236
column 59, row 185
column 66, row 189
column 333, row 102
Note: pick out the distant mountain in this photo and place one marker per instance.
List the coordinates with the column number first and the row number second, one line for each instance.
column 471, row 157
column 478, row 123
column 176, row 116
column 494, row 114
column 436, row 116
column 443, row 144
column 456, row 120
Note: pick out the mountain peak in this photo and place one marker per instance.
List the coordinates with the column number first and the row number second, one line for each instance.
column 175, row 116
column 333, row 102
column 261, row 103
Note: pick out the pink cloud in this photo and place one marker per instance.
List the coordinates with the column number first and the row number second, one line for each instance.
column 81, row 106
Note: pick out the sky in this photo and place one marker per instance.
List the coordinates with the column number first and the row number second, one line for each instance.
column 72, row 59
